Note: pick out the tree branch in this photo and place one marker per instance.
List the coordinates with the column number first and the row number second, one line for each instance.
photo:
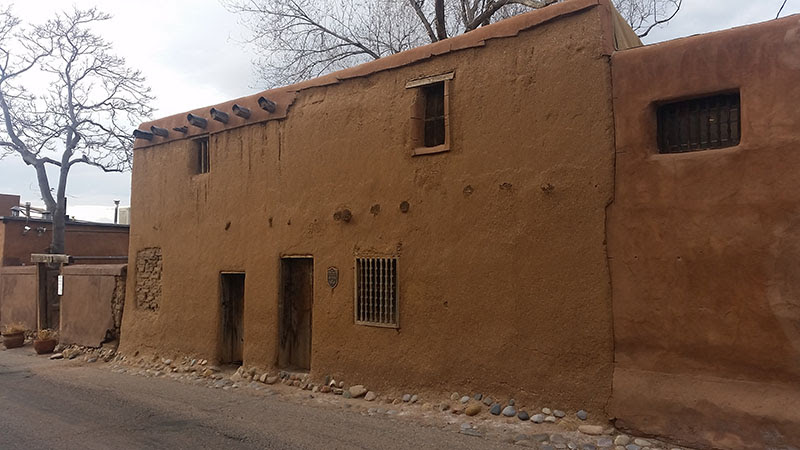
column 781, row 9
column 658, row 21
column 425, row 23
column 86, row 160
column 441, row 32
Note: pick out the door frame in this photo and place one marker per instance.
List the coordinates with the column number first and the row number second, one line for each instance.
column 222, row 350
column 281, row 295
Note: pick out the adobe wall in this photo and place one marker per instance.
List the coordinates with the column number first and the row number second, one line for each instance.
column 91, row 306
column 18, row 296
column 80, row 240
column 504, row 286
column 704, row 246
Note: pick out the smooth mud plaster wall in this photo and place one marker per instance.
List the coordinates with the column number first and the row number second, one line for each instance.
column 18, row 296
column 503, row 278
column 88, row 304
column 704, row 246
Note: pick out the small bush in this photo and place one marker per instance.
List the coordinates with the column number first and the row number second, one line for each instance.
column 14, row 328
column 46, row 334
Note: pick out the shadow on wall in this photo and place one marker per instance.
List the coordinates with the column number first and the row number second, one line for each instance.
column 783, row 288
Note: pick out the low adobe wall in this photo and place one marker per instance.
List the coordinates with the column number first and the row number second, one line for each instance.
column 91, row 306
column 18, row 296
column 704, row 245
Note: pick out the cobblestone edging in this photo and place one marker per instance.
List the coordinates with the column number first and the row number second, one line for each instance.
column 473, row 414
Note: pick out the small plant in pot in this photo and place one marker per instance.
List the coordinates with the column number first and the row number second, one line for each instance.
column 13, row 335
column 46, row 340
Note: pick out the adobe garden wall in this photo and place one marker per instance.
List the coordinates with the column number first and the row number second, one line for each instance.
column 18, row 296
column 91, row 306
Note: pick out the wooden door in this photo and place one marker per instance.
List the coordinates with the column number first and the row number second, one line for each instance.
column 232, row 328
column 296, row 305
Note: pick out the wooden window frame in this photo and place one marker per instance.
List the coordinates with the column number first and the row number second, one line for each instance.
column 201, row 154
column 418, row 114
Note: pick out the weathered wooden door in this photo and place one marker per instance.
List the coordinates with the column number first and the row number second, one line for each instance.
column 232, row 327
column 296, row 304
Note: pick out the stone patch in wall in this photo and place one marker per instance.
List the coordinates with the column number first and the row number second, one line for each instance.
column 118, row 303
column 148, row 278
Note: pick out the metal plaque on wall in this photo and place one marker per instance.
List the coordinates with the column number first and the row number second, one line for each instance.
column 333, row 277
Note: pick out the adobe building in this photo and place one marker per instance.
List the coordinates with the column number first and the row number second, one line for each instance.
column 23, row 233
column 529, row 210
column 7, row 202
column 415, row 221
column 85, row 242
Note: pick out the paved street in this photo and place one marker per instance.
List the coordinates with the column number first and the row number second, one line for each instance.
column 68, row 404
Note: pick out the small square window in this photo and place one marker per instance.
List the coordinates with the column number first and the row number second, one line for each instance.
column 430, row 116
column 376, row 292
column 699, row 124
column 200, row 151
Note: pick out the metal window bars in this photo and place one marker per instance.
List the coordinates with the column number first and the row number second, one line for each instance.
column 376, row 299
column 699, row 124
column 201, row 149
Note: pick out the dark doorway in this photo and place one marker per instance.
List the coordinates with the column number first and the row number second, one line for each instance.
column 296, row 303
column 49, row 302
column 232, row 296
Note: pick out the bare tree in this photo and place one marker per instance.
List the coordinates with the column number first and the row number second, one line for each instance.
column 86, row 102
column 301, row 39
column 645, row 15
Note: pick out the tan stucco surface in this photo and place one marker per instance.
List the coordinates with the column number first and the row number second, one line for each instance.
column 504, row 286
column 86, row 305
column 18, row 296
column 704, row 245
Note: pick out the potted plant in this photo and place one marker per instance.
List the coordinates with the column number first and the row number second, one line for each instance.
column 13, row 335
column 45, row 341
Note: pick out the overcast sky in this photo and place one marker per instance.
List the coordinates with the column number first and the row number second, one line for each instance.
column 192, row 56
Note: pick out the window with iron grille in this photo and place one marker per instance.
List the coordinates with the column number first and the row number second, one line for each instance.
column 201, row 154
column 376, row 292
column 434, row 114
column 699, row 124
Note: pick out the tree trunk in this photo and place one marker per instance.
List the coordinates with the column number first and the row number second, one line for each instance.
column 441, row 31
column 57, row 245
column 59, row 229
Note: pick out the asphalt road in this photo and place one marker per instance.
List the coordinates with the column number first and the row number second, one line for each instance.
column 71, row 405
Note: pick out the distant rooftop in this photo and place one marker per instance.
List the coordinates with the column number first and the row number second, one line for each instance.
column 6, row 219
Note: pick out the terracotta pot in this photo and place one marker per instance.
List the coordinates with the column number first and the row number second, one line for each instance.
column 44, row 346
column 14, row 340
